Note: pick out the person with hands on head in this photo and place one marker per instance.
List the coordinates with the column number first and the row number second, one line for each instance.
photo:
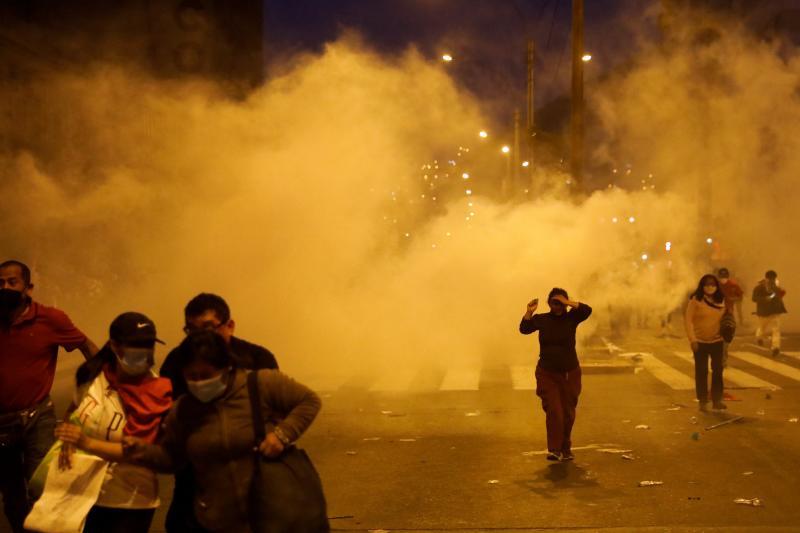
column 703, row 322
column 211, row 428
column 558, row 371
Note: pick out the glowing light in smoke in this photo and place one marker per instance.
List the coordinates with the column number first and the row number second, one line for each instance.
column 525, row 163
column 505, row 149
column 447, row 58
column 668, row 246
column 709, row 240
column 632, row 220
column 469, row 192
column 465, row 175
column 644, row 257
column 586, row 58
column 482, row 134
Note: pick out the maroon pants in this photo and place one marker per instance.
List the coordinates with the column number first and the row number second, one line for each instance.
column 559, row 392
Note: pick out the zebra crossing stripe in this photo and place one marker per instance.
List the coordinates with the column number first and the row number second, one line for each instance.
column 665, row 373
column 739, row 377
column 398, row 380
column 461, row 379
column 769, row 364
column 523, row 377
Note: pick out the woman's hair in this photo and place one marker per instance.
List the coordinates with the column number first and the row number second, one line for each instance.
column 555, row 292
column 700, row 293
column 92, row 367
column 205, row 346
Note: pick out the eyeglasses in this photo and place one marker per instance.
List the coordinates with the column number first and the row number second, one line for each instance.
column 208, row 326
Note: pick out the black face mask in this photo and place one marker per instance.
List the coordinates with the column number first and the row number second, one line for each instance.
column 10, row 301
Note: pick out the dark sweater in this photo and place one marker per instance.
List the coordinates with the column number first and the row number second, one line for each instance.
column 557, row 337
column 246, row 355
column 769, row 299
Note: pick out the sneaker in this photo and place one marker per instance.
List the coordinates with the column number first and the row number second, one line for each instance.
column 776, row 352
column 553, row 456
column 566, row 455
column 704, row 407
column 719, row 406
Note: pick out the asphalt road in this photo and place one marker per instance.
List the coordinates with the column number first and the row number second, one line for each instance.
column 472, row 460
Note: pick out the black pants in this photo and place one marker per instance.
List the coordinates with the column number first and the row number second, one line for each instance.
column 180, row 515
column 704, row 352
column 23, row 444
column 108, row 520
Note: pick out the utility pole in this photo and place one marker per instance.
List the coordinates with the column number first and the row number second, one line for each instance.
column 577, row 107
column 530, row 124
column 515, row 156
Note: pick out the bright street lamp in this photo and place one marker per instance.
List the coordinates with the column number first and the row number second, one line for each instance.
column 447, row 58
column 586, row 58
column 482, row 134
column 505, row 149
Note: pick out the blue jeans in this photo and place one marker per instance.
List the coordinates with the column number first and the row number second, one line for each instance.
column 24, row 441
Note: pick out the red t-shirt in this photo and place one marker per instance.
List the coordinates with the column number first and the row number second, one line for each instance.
column 28, row 355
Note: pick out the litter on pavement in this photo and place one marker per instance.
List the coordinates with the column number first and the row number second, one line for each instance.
column 650, row 483
column 748, row 473
column 755, row 502
column 627, row 457
column 695, row 436
column 725, row 422
column 613, row 450
column 473, row 413
column 493, row 481
column 642, row 426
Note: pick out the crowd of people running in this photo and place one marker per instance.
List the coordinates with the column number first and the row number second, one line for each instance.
column 223, row 419
column 216, row 400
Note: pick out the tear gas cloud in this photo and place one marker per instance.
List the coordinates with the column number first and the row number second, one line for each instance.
column 126, row 193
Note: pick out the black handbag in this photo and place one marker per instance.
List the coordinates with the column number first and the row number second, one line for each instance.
column 727, row 327
column 286, row 492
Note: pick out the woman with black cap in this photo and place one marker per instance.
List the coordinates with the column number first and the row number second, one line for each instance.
column 120, row 396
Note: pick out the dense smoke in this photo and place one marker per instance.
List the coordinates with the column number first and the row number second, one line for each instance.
column 127, row 193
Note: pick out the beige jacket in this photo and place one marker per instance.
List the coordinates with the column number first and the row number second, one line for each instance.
column 702, row 321
column 217, row 439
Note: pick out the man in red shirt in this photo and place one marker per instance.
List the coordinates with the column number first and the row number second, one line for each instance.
column 733, row 292
column 30, row 335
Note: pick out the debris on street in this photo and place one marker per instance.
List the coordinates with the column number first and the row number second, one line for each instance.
column 649, row 483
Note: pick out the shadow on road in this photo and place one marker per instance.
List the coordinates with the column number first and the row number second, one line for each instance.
column 559, row 476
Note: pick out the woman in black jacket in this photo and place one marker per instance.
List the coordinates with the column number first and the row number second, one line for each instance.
column 558, row 372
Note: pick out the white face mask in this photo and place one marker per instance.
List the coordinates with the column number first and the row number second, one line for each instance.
column 207, row 390
column 135, row 361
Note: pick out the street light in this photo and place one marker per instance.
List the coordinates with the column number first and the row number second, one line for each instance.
column 482, row 134
column 505, row 149
column 447, row 58
column 525, row 163
column 586, row 58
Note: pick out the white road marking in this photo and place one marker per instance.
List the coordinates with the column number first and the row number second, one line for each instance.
column 663, row 372
column 399, row 379
column 769, row 364
column 739, row 377
column 461, row 379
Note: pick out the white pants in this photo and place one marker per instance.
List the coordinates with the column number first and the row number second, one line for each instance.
column 770, row 324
